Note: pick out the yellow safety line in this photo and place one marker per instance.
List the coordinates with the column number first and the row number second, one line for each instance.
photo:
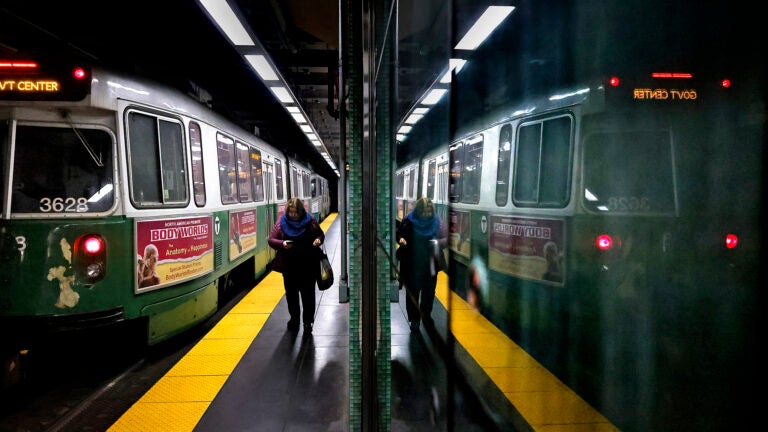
column 544, row 401
column 177, row 402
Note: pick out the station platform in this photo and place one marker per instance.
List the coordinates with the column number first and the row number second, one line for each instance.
column 251, row 373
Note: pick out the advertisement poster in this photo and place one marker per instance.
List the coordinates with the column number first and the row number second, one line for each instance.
column 242, row 233
column 459, row 234
column 527, row 248
column 172, row 250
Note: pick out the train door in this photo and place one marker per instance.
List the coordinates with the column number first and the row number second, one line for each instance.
column 269, row 210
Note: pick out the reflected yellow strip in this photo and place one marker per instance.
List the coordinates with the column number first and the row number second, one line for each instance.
column 177, row 402
column 545, row 402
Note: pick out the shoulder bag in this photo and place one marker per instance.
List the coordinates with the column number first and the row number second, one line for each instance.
column 325, row 271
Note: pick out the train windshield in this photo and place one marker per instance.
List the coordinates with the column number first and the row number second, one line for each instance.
column 629, row 172
column 62, row 170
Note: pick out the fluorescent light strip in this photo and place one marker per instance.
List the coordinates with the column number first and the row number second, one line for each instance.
column 281, row 93
column 298, row 118
column 457, row 64
column 228, row 22
column 413, row 118
column 260, row 64
column 485, row 25
column 305, row 128
column 404, row 129
column 292, row 109
column 434, row 96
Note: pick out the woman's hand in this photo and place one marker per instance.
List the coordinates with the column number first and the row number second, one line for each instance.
column 287, row 244
column 316, row 243
column 402, row 242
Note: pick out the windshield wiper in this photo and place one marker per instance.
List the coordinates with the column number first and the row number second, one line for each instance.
column 81, row 137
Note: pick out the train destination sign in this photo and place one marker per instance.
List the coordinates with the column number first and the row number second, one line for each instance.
column 664, row 94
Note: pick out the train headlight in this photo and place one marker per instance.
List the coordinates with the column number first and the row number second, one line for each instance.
column 95, row 270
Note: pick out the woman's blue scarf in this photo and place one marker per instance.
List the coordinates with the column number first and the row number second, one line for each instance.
column 425, row 227
column 295, row 228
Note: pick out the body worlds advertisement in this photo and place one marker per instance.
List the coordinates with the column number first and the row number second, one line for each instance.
column 527, row 248
column 172, row 250
column 242, row 233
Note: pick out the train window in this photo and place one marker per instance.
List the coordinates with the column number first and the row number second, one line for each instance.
column 442, row 183
column 5, row 135
column 431, row 173
column 543, row 147
column 294, row 182
column 399, row 179
column 503, row 162
column 412, row 183
column 279, row 179
column 473, row 170
column 156, row 151
column 454, row 178
column 60, row 170
column 198, row 177
column 306, row 183
column 225, row 148
column 257, row 176
column 629, row 172
column 313, row 188
column 244, row 186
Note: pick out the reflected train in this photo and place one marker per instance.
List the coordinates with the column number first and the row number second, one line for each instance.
column 126, row 200
column 615, row 237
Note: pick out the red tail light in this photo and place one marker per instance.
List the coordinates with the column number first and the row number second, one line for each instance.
column 93, row 244
column 79, row 73
column 731, row 241
column 604, row 242
column 90, row 259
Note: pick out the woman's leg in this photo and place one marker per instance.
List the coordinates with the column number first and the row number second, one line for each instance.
column 308, row 301
column 428, row 298
column 412, row 290
column 292, row 298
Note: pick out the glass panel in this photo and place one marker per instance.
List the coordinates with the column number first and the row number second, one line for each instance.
column 172, row 162
column 555, row 162
column 198, row 176
column 56, row 172
column 146, row 187
column 629, row 172
column 244, row 187
column 473, row 170
column 526, row 186
column 257, row 175
column 431, row 173
column 503, row 162
column 225, row 147
column 279, row 179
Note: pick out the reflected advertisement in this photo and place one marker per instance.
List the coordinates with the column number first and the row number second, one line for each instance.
column 527, row 248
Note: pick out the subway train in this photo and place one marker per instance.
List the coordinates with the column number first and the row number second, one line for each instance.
column 605, row 202
column 612, row 230
column 590, row 229
column 127, row 201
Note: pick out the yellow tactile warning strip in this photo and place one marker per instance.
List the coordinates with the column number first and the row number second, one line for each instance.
column 543, row 400
column 177, row 402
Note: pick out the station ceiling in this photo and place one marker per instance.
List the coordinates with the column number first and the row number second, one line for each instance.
column 174, row 42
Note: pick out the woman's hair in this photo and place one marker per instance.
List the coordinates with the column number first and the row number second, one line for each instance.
column 296, row 204
column 423, row 204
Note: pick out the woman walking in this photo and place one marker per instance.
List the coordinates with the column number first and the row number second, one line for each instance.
column 297, row 235
column 421, row 237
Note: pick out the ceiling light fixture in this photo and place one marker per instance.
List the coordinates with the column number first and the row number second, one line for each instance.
column 225, row 17
column 260, row 64
column 230, row 25
column 484, row 26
